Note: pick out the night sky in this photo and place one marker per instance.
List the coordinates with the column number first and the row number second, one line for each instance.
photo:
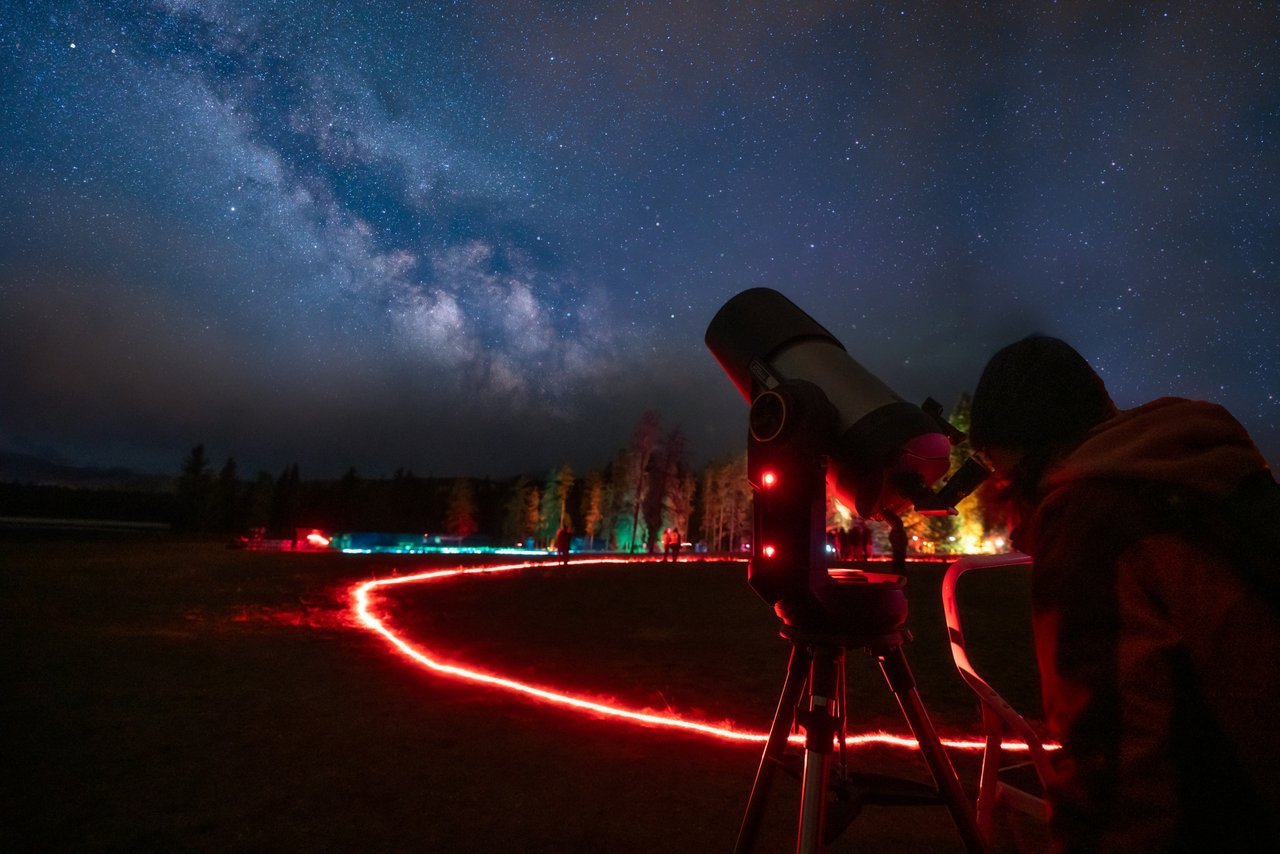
column 483, row 238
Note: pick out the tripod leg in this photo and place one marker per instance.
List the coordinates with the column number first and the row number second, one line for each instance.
column 893, row 663
column 792, row 688
column 821, row 722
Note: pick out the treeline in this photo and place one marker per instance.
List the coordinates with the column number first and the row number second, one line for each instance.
column 48, row 501
column 625, row 505
column 647, row 487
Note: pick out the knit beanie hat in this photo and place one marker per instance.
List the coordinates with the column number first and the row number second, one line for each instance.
column 1036, row 392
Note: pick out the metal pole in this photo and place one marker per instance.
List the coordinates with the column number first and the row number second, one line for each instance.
column 820, row 726
column 893, row 663
column 792, row 687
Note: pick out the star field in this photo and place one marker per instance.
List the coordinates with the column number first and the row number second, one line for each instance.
column 478, row 238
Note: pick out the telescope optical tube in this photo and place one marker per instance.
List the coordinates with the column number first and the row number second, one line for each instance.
column 883, row 450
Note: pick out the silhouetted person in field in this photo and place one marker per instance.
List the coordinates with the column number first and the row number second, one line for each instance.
column 1155, row 535
column 897, row 541
column 863, row 532
column 838, row 539
column 670, row 545
column 564, row 538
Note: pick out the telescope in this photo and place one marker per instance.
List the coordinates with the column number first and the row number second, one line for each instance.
column 820, row 421
column 883, row 452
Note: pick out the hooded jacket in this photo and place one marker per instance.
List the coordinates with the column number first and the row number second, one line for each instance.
column 1159, row 659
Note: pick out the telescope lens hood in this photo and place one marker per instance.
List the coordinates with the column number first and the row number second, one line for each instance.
column 752, row 326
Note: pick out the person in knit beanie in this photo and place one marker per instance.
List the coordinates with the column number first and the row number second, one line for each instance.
column 1156, row 622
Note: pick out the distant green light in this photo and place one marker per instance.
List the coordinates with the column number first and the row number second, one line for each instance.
column 369, row 542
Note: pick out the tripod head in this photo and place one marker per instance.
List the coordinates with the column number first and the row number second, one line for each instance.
column 820, row 420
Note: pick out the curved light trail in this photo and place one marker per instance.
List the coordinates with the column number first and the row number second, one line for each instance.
column 362, row 599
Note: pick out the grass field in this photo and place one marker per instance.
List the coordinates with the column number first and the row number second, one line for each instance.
column 180, row 696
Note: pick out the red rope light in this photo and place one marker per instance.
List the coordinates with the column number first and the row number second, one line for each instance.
column 362, row 607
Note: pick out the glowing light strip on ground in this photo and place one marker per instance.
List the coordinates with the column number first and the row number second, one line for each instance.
column 361, row 597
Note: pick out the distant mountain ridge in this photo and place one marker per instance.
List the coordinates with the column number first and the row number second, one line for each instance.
column 24, row 468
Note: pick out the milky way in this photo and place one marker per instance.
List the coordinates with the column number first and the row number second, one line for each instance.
column 483, row 238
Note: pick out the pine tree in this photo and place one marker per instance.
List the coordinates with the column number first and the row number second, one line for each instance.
column 621, row 494
column 680, row 501
column 349, row 504
column 726, row 503
column 672, row 484
column 592, row 508
column 460, row 518
column 642, row 446
column 194, row 492
column 514, row 513
column 226, row 503
column 286, row 501
column 533, row 513
column 549, row 508
column 655, row 493
column 260, row 500
column 711, row 504
column 564, row 485
column 738, row 513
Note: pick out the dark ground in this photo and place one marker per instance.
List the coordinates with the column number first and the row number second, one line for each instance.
column 180, row 696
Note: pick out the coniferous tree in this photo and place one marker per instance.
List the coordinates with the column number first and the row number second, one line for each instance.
column 710, row 508
column 194, row 490
column 533, row 514
column 670, row 494
column 981, row 516
column 460, row 519
column 564, row 485
column 592, row 509
column 227, row 498
column 681, row 492
column 286, row 501
column 726, row 503
column 515, row 512
column 655, row 488
column 260, row 500
column 549, row 508
column 738, row 512
column 410, row 507
column 642, row 446
column 349, row 504
column 620, row 500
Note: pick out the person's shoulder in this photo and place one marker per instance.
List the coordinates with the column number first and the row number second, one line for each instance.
column 1086, row 515
column 1105, row 502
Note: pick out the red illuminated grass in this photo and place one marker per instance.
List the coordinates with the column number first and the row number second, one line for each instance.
column 362, row 598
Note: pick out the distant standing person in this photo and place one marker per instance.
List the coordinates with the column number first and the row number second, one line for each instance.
column 897, row 541
column 670, row 545
column 864, row 541
column 563, row 538
column 840, row 536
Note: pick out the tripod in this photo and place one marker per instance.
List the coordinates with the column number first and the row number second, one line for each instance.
column 814, row 695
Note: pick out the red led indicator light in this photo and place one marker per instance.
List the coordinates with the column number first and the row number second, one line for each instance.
column 769, row 478
column 770, row 551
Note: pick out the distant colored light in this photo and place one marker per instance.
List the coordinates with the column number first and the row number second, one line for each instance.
column 317, row 539
column 770, row 551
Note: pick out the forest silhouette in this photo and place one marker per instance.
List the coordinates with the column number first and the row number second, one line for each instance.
column 623, row 505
